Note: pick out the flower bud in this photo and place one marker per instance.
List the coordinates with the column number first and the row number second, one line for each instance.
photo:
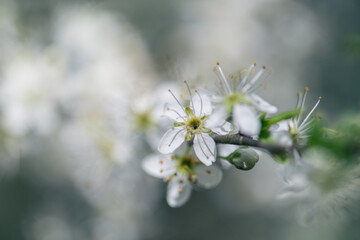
column 243, row 158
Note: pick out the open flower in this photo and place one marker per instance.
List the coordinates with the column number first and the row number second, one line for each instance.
column 191, row 123
column 295, row 131
column 183, row 173
column 238, row 98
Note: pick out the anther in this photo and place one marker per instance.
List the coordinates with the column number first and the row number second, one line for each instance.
column 320, row 98
column 180, row 190
column 161, row 161
column 161, row 170
column 208, row 171
column 172, row 157
column 254, row 63
column 181, row 181
column 217, row 63
column 263, row 67
column 168, row 178
column 306, row 89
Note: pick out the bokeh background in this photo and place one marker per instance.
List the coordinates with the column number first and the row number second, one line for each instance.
column 76, row 78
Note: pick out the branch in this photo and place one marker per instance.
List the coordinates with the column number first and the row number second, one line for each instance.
column 238, row 139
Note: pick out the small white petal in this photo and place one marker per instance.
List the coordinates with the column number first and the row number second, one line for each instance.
column 261, row 104
column 175, row 113
column 178, row 191
column 217, row 117
column 282, row 137
column 246, row 120
column 171, row 140
column 204, row 147
column 202, row 105
column 159, row 166
column 223, row 128
column 208, row 176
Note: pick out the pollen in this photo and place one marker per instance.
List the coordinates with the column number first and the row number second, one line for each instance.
column 180, row 190
column 208, row 171
column 306, row 89
column 161, row 161
column 320, row 98
column 217, row 63
column 254, row 63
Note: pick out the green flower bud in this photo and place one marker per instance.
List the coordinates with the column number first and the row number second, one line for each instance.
column 243, row 158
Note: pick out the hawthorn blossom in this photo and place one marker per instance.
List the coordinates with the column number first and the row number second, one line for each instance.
column 295, row 131
column 191, row 123
column 183, row 172
column 238, row 98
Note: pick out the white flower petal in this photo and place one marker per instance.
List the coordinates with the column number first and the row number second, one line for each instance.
column 171, row 140
column 246, row 120
column 204, row 147
column 202, row 105
column 175, row 113
column 261, row 104
column 178, row 191
column 208, row 176
column 217, row 117
column 223, row 128
column 282, row 137
column 159, row 166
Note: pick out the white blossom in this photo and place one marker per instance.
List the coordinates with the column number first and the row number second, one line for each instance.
column 183, row 172
column 295, row 131
column 237, row 97
column 191, row 123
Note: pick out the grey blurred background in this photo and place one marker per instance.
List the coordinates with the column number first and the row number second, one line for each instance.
column 306, row 43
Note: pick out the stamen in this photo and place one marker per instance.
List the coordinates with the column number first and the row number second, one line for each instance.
column 181, row 181
column 168, row 178
column 312, row 110
column 182, row 107
column 172, row 157
column 219, row 72
column 252, row 82
column 243, row 81
column 299, row 95
column 304, row 97
column 201, row 102
column 161, row 170
column 161, row 161
column 306, row 89
column 180, row 190
column 191, row 101
column 208, row 171
column 170, row 109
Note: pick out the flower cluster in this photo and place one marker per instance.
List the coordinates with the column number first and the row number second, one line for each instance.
column 233, row 109
column 236, row 126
